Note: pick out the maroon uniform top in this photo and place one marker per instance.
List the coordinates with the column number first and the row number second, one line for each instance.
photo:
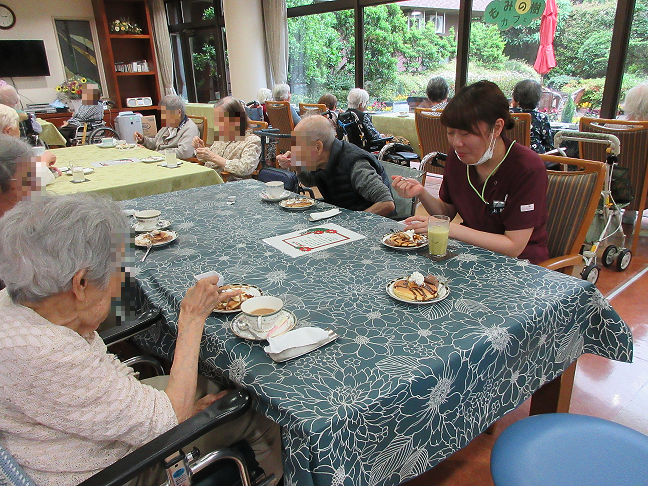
column 521, row 181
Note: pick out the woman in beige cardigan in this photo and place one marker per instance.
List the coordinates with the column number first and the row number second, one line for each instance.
column 236, row 149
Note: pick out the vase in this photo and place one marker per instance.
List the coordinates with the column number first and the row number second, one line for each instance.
column 74, row 105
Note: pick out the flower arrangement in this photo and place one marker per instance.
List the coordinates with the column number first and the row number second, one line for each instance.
column 125, row 26
column 71, row 89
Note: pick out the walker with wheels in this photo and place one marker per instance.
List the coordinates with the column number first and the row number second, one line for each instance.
column 607, row 220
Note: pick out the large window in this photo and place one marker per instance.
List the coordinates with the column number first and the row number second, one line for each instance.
column 197, row 30
column 321, row 55
column 406, row 42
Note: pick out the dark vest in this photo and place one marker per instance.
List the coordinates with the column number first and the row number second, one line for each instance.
column 334, row 181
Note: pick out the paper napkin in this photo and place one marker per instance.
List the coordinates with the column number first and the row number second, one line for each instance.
column 324, row 214
column 298, row 338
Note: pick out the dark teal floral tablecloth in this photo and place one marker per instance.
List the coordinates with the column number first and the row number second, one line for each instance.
column 404, row 386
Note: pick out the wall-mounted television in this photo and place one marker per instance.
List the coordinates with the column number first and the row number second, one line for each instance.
column 23, row 58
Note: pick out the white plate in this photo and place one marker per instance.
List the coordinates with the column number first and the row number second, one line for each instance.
column 248, row 289
column 140, row 241
column 86, row 170
column 106, row 146
column 423, row 243
column 442, row 293
column 163, row 164
column 292, row 353
column 240, row 329
column 162, row 224
column 283, row 195
column 284, row 203
column 153, row 158
column 126, row 146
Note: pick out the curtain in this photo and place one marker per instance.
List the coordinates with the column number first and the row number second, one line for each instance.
column 162, row 42
column 275, row 20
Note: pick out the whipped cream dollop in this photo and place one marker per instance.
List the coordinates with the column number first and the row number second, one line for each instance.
column 417, row 278
column 410, row 235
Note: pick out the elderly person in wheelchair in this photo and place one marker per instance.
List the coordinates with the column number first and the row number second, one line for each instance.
column 178, row 131
column 68, row 408
column 91, row 112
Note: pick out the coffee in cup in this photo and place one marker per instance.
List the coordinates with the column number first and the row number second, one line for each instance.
column 274, row 188
column 261, row 313
column 148, row 219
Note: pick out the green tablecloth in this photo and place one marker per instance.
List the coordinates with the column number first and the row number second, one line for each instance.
column 392, row 124
column 405, row 385
column 127, row 181
column 206, row 110
column 50, row 134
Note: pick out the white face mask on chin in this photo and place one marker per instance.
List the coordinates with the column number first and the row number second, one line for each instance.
column 488, row 154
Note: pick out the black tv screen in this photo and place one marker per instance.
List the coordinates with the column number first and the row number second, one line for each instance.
column 23, row 58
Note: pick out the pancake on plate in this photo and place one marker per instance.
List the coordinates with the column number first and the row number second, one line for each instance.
column 154, row 237
column 417, row 288
column 234, row 303
column 405, row 239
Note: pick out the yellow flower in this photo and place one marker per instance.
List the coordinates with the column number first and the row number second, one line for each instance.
column 84, row 80
column 58, row 88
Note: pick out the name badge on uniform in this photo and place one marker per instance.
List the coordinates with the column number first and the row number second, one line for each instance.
column 527, row 207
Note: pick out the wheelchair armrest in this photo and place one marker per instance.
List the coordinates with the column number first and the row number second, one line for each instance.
column 125, row 331
column 231, row 406
column 304, row 190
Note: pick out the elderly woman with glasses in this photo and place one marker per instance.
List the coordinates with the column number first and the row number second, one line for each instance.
column 177, row 133
column 68, row 408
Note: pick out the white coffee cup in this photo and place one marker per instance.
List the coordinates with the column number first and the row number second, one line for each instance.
column 171, row 159
column 77, row 174
column 261, row 313
column 274, row 188
column 108, row 142
column 38, row 150
column 148, row 219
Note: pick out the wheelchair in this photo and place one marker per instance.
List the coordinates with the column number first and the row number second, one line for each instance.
column 92, row 133
column 232, row 466
column 351, row 128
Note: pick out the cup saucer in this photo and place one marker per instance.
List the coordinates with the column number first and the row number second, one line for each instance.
column 285, row 321
column 282, row 196
column 162, row 224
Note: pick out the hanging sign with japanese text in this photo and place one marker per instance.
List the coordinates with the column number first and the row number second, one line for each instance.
column 513, row 13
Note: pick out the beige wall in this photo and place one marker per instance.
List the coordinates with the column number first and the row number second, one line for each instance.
column 35, row 20
column 245, row 47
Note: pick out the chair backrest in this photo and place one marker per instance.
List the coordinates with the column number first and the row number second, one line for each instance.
column 289, row 179
column 201, row 123
column 572, row 197
column 11, row 474
column 432, row 135
column 521, row 132
column 633, row 136
column 349, row 124
column 405, row 207
column 254, row 112
column 312, row 108
column 257, row 125
column 280, row 117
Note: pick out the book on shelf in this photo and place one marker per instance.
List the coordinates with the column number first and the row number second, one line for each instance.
column 132, row 67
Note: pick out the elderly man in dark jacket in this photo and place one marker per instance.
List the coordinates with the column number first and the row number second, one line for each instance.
column 346, row 175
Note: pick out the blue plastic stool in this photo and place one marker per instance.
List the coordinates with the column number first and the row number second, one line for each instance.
column 562, row 449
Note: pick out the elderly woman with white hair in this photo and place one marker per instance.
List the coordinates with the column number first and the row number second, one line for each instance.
column 17, row 172
column 635, row 105
column 177, row 133
column 68, row 408
column 357, row 102
column 281, row 92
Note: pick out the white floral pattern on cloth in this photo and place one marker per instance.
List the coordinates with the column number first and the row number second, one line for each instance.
column 404, row 386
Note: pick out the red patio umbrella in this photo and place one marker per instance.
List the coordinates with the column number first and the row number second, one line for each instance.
column 545, row 61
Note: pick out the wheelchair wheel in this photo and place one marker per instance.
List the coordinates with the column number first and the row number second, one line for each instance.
column 609, row 255
column 101, row 132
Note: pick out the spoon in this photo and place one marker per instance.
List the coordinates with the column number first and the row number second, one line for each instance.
column 148, row 248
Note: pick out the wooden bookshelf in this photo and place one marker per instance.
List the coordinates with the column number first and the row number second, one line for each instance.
column 127, row 48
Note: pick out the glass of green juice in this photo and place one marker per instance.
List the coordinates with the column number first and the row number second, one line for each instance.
column 438, row 231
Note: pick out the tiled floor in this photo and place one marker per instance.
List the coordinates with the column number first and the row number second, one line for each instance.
column 602, row 388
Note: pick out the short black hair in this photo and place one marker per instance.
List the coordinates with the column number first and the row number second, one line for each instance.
column 437, row 89
column 482, row 101
column 527, row 94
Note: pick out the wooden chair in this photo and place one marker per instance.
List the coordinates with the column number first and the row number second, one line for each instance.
column 201, row 123
column 432, row 135
column 633, row 136
column 280, row 117
column 572, row 197
column 257, row 125
column 521, row 133
column 312, row 108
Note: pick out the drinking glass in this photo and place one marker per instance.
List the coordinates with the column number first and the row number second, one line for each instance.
column 438, row 231
column 171, row 159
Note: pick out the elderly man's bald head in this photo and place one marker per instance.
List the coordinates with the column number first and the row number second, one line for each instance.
column 317, row 127
column 8, row 95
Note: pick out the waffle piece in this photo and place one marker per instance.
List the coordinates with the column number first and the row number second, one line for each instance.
column 401, row 239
